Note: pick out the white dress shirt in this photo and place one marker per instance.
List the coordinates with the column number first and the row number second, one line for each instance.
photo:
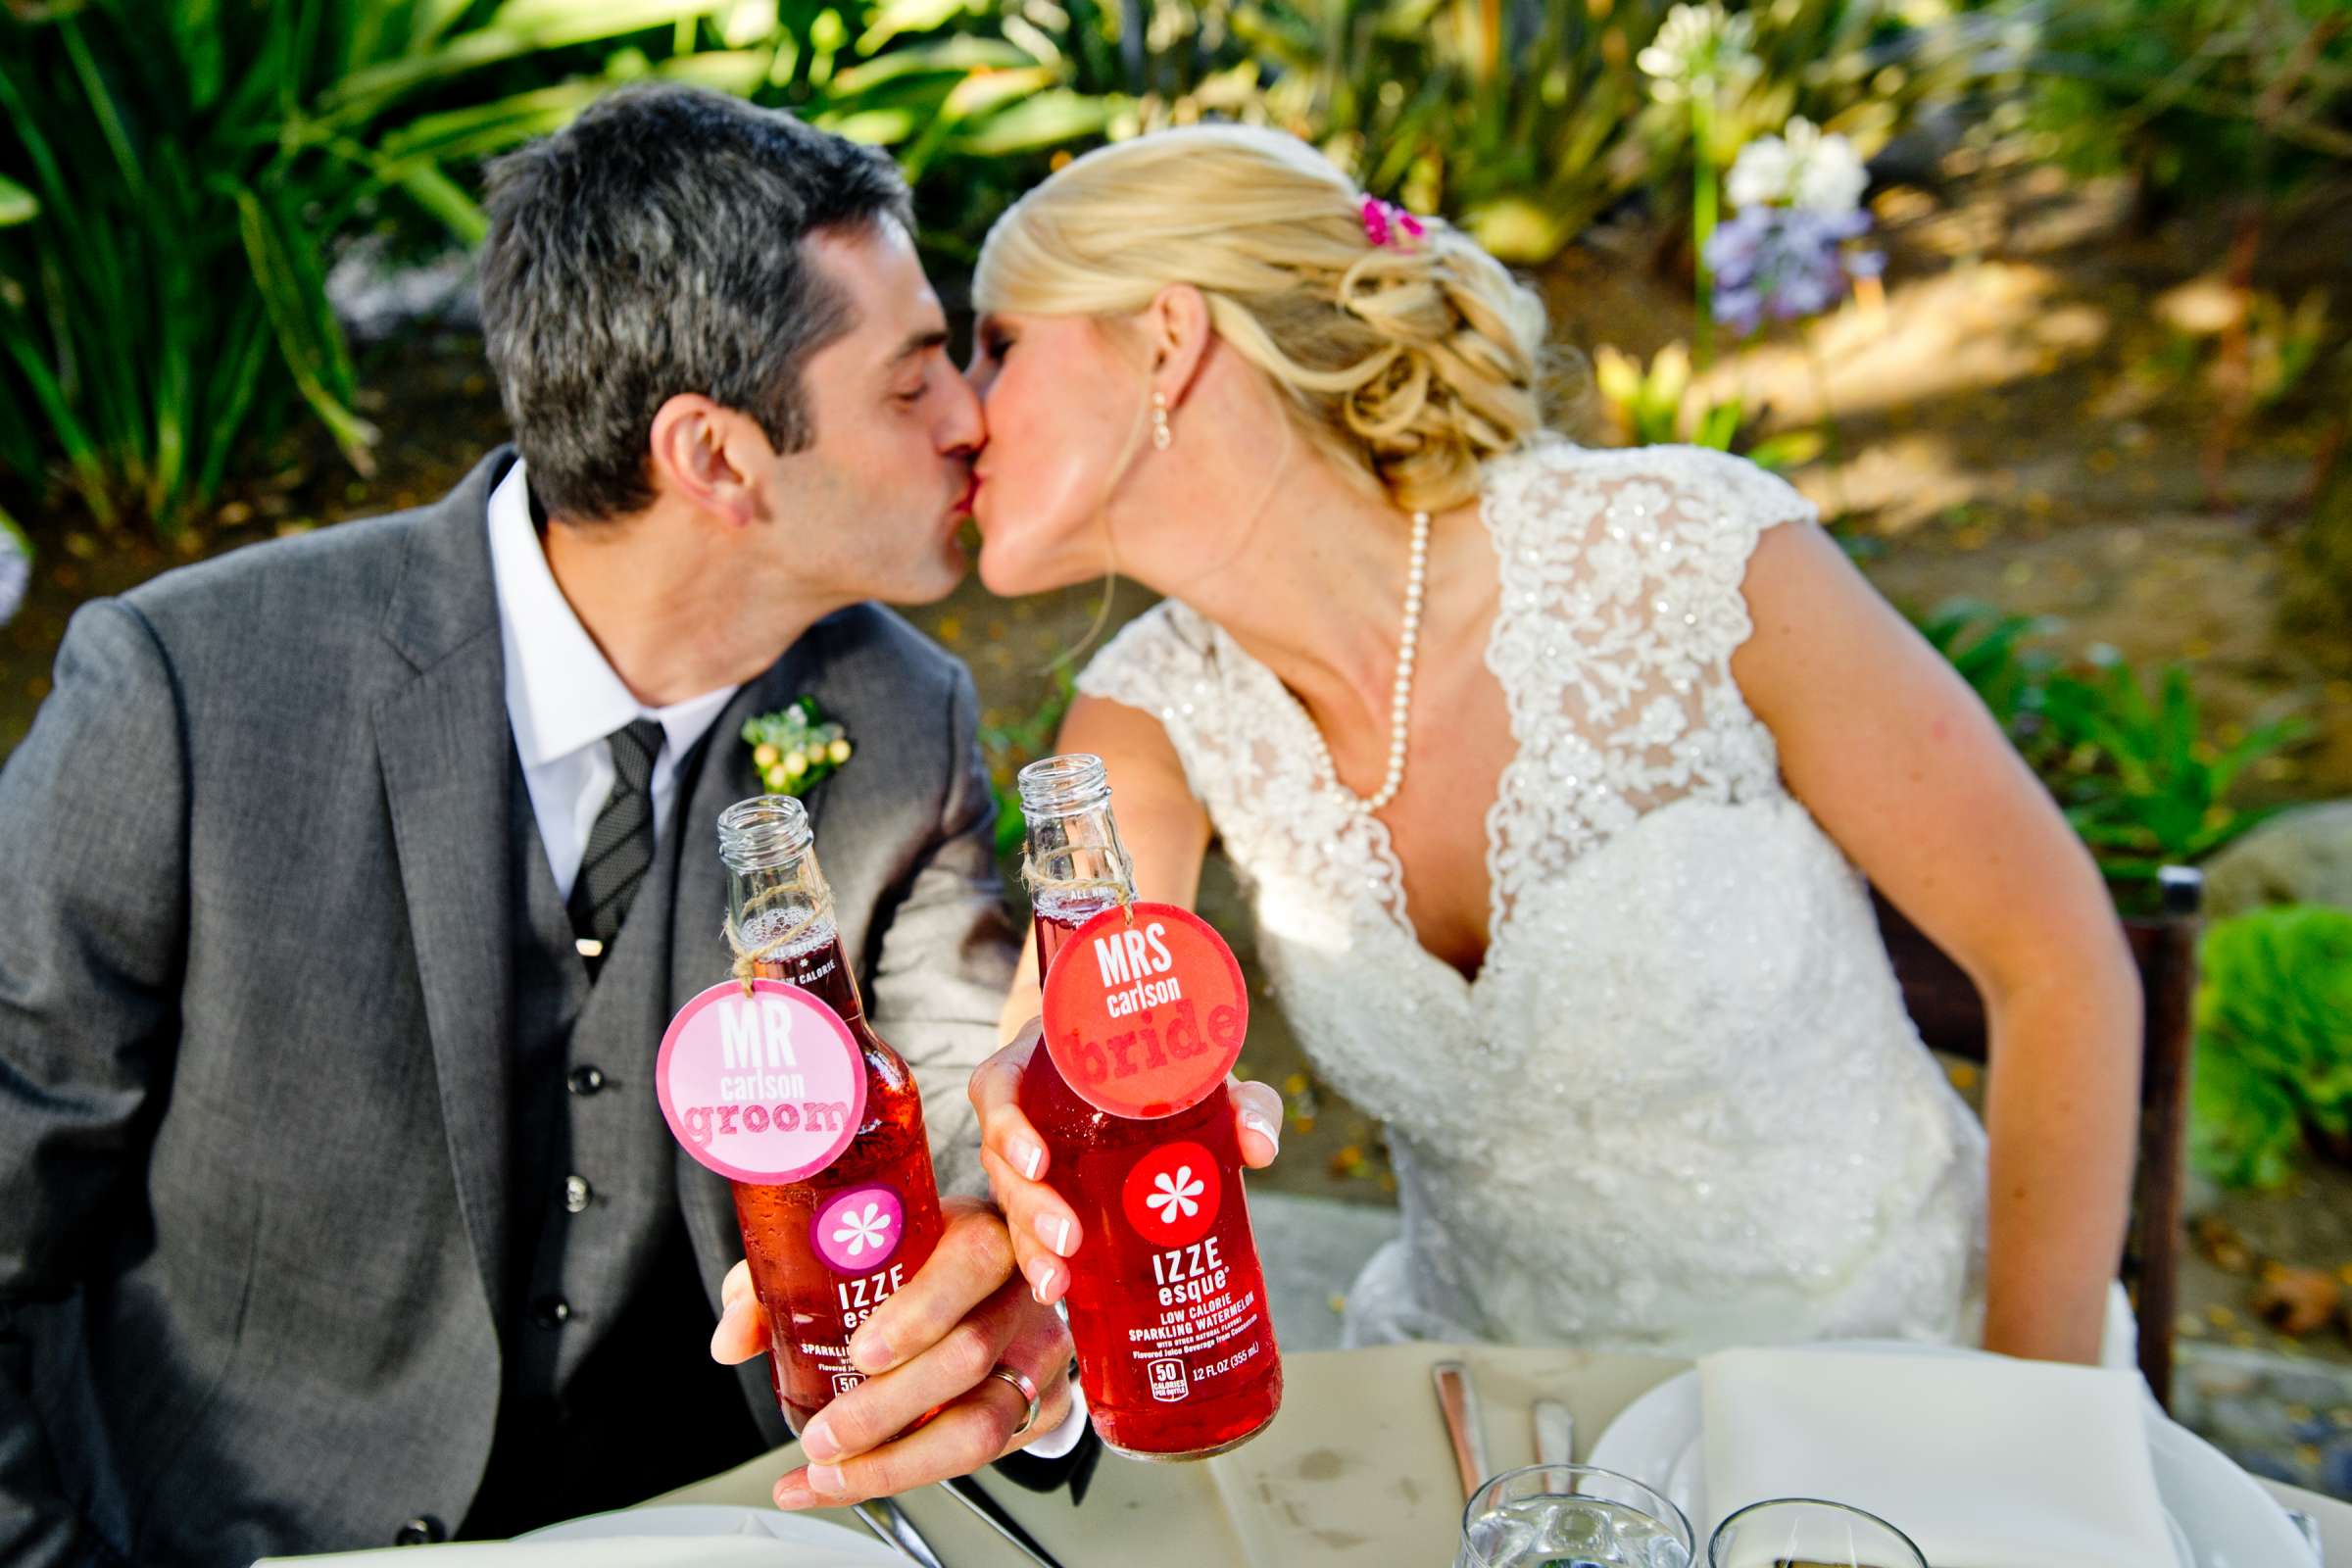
column 562, row 698
column 563, row 701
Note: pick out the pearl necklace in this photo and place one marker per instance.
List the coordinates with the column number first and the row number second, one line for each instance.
column 1401, row 699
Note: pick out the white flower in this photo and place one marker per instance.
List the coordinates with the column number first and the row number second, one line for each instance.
column 861, row 1230
column 1697, row 47
column 1804, row 168
column 15, row 572
column 1174, row 1196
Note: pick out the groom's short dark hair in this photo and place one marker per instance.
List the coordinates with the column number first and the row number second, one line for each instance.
column 654, row 247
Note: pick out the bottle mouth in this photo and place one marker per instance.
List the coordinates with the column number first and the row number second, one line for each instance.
column 764, row 833
column 1055, row 786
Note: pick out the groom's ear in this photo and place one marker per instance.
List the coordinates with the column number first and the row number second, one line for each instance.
column 711, row 456
column 1176, row 327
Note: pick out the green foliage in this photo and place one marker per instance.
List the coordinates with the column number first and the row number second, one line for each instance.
column 1652, row 404
column 178, row 173
column 2141, row 779
column 1863, row 68
column 1521, row 123
column 2137, row 774
column 1013, row 746
column 970, row 96
column 2274, row 1042
column 180, row 176
column 2193, row 96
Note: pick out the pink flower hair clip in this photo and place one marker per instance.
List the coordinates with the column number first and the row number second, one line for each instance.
column 1387, row 224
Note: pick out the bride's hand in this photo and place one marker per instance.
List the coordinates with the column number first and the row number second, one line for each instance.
column 1045, row 1231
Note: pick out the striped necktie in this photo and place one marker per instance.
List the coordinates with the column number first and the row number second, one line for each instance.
column 620, row 847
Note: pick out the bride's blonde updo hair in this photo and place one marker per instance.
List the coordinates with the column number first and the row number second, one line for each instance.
column 1409, row 363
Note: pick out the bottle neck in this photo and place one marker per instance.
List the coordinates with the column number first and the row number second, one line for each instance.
column 1076, row 867
column 781, row 923
column 780, row 919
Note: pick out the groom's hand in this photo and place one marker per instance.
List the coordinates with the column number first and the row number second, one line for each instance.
column 932, row 1346
column 1045, row 1229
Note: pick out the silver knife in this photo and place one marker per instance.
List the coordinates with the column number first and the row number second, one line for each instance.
column 967, row 1491
column 1555, row 1433
column 1457, row 1401
column 887, row 1520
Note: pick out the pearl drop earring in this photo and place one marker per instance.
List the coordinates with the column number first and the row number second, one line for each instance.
column 1162, row 438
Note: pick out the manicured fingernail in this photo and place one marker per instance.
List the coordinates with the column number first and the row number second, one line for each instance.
column 826, row 1479
column 1263, row 1128
column 1054, row 1231
column 869, row 1351
column 1031, row 1157
column 1043, row 1272
column 816, row 1441
column 793, row 1492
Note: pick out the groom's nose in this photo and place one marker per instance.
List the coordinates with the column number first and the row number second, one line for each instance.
column 959, row 427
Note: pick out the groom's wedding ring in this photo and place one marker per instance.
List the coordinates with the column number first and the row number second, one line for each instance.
column 1026, row 1388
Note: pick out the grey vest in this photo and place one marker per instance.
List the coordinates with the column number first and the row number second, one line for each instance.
column 605, row 1321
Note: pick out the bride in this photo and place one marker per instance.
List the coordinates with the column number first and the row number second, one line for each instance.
column 1553, row 775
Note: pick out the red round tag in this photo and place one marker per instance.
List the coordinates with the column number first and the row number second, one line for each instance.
column 1144, row 1010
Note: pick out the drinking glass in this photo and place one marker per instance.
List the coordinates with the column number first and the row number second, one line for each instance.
column 1571, row 1514
column 1805, row 1533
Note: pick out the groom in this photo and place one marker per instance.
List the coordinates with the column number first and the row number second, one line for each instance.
column 351, row 881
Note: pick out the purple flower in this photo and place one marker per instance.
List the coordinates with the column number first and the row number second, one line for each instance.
column 1786, row 264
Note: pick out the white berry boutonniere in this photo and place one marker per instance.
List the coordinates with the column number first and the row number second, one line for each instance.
column 795, row 747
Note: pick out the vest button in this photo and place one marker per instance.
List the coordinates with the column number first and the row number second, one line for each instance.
column 577, row 1194
column 587, row 1080
column 550, row 1311
column 421, row 1531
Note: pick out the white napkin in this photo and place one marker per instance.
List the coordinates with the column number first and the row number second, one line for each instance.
column 1985, row 1462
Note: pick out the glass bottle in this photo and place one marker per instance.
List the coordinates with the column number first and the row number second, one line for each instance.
column 1174, row 1335
column 823, row 1251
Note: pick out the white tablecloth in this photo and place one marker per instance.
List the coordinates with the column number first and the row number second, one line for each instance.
column 1356, row 1469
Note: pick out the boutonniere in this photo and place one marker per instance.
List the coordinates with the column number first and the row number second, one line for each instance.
column 794, row 747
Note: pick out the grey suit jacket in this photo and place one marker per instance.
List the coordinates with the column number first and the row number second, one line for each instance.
column 255, row 992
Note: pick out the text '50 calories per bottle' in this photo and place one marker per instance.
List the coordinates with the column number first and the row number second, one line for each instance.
column 774, row 1080
column 1145, row 1011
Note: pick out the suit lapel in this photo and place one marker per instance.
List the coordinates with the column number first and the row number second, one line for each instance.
column 446, row 749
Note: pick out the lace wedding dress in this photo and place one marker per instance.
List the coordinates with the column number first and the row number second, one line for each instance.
column 1681, row 1105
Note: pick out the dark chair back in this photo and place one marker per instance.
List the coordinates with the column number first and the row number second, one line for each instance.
column 1943, row 1002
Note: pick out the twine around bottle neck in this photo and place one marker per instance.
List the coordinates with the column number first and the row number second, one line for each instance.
column 1118, row 884
column 749, row 956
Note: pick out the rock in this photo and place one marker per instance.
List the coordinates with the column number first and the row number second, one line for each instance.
column 2300, row 857
column 2296, row 1300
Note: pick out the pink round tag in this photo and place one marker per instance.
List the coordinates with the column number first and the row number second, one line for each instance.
column 1144, row 1010
column 768, row 1088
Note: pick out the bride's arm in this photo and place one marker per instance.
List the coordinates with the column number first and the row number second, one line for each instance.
column 1166, row 833
column 1902, row 765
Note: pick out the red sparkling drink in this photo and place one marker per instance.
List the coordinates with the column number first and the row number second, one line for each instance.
column 825, row 1252
column 1167, row 1301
